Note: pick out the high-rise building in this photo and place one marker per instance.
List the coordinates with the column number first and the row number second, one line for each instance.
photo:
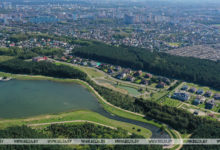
column 128, row 19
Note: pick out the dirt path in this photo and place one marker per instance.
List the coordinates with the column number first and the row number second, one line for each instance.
column 74, row 121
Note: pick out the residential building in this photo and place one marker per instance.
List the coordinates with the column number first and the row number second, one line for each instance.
column 181, row 96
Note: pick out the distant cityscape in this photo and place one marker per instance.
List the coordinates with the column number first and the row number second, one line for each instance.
column 193, row 30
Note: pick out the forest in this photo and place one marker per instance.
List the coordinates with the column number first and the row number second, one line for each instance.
column 18, row 66
column 85, row 130
column 200, row 71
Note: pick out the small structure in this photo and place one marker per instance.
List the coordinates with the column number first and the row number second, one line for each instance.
column 185, row 87
column 161, row 85
column 192, row 90
column 208, row 94
column 181, row 96
column 217, row 96
column 199, row 92
column 210, row 104
column 37, row 59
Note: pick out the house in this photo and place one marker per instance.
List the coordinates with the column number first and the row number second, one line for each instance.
column 84, row 63
column 208, row 94
column 217, row 96
column 181, row 96
column 148, row 75
column 130, row 78
column 121, row 76
column 192, row 89
column 145, row 82
column 199, row 100
column 93, row 64
column 127, row 71
column 37, row 59
column 166, row 80
column 138, row 73
column 199, row 92
column 210, row 104
column 63, row 58
column 185, row 87
column 74, row 61
column 110, row 71
column 118, row 68
column 196, row 102
column 161, row 85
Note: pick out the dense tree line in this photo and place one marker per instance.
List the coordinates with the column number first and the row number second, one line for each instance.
column 205, row 131
column 29, row 53
column 70, row 131
column 19, row 66
column 205, row 72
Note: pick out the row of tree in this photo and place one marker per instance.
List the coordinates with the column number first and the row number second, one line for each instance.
column 205, row 72
column 29, row 53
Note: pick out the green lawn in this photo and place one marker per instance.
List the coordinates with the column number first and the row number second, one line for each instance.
column 132, row 91
column 171, row 102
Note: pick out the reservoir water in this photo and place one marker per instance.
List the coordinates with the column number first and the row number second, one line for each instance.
column 24, row 98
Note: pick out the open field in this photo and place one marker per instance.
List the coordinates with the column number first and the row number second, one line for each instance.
column 5, row 58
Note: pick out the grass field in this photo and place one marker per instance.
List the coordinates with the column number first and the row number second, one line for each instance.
column 92, row 72
column 76, row 115
column 171, row 102
column 5, row 58
column 174, row 44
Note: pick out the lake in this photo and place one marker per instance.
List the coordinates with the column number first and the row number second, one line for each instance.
column 25, row 98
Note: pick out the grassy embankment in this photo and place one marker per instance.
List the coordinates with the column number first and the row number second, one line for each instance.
column 75, row 115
